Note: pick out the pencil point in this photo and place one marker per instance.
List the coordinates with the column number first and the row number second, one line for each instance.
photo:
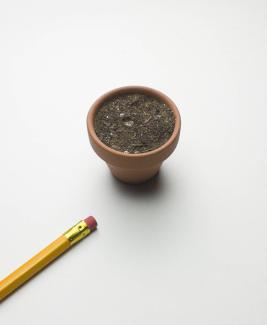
column 91, row 223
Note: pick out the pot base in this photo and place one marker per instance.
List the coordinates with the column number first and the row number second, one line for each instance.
column 134, row 176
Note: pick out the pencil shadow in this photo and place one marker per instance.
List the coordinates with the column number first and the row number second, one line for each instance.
column 41, row 271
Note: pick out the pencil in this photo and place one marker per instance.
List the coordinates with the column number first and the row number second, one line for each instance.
column 46, row 256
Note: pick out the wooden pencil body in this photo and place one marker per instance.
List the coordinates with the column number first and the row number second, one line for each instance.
column 33, row 266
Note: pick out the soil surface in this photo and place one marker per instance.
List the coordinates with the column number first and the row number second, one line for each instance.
column 134, row 123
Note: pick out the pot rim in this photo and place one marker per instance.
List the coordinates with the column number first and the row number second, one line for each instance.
column 133, row 89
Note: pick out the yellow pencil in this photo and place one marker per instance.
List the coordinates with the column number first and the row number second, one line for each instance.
column 46, row 256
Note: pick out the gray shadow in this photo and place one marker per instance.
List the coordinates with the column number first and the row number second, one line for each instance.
column 150, row 189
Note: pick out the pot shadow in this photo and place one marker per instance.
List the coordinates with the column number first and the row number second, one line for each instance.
column 151, row 188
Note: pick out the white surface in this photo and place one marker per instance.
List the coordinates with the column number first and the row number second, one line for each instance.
column 188, row 249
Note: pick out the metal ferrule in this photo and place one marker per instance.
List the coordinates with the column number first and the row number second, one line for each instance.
column 77, row 232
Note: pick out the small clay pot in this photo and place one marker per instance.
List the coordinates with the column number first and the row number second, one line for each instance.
column 140, row 167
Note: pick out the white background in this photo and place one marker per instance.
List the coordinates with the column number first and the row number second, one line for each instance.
column 190, row 247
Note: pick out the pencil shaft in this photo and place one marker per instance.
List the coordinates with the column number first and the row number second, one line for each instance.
column 33, row 266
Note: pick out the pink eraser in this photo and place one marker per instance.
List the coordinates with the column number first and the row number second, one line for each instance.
column 91, row 222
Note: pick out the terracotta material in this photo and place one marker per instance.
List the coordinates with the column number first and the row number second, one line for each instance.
column 133, row 168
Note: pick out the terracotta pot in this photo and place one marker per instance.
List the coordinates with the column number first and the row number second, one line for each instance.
column 133, row 168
